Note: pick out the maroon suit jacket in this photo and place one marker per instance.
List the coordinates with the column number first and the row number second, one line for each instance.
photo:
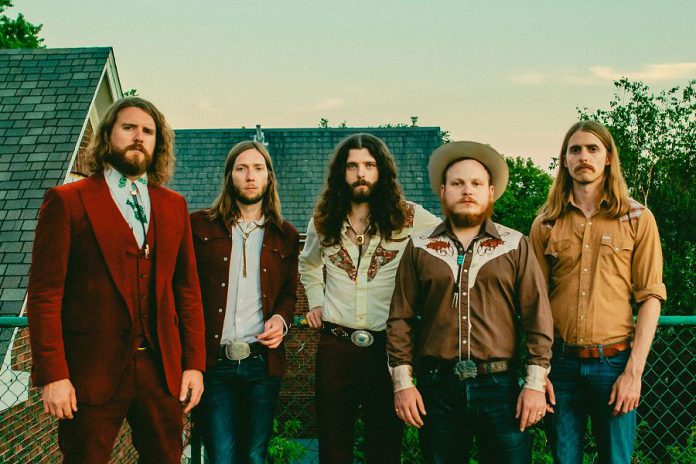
column 81, row 317
column 213, row 244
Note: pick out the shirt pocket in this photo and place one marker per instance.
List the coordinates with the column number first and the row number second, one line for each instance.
column 561, row 260
column 616, row 254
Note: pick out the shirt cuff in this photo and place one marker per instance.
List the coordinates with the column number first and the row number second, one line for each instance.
column 402, row 377
column 536, row 377
column 285, row 324
column 315, row 296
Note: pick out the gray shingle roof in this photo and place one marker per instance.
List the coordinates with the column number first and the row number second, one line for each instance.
column 44, row 101
column 300, row 158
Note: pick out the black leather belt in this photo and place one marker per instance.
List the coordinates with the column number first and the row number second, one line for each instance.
column 255, row 349
column 360, row 337
column 482, row 367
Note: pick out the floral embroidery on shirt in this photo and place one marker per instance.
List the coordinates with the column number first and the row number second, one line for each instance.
column 382, row 257
column 341, row 260
column 488, row 246
column 410, row 215
column 441, row 247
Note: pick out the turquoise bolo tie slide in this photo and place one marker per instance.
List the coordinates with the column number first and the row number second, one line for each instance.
column 465, row 369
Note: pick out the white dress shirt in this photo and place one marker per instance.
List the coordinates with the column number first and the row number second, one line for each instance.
column 357, row 297
column 120, row 188
column 244, row 312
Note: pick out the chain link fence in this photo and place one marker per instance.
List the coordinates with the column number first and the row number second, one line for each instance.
column 666, row 433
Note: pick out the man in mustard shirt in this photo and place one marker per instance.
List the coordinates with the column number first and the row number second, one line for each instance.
column 600, row 253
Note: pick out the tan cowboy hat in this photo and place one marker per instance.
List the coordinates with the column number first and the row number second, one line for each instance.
column 484, row 154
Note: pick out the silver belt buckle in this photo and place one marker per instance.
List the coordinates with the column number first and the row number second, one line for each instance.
column 236, row 351
column 362, row 338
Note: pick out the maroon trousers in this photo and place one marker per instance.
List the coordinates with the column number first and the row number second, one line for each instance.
column 348, row 376
column 155, row 417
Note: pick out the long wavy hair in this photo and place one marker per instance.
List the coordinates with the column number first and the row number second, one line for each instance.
column 615, row 189
column 161, row 168
column 225, row 205
column 387, row 205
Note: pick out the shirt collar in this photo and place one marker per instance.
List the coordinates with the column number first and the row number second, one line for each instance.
column 570, row 200
column 118, row 181
column 444, row 228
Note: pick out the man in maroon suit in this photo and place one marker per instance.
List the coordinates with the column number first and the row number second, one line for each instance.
column 114, row 305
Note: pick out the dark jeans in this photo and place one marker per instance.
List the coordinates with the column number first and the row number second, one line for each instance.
column 236, row 412
column 460, row 410
column 582, row 388
column 347, row 377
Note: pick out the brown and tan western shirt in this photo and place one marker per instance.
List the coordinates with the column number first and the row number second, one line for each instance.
column 595, row 268
column 498, row 281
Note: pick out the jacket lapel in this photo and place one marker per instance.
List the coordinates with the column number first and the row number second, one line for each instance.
column 166, row 227
column 105, row 219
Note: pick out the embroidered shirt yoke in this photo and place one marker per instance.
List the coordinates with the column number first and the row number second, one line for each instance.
column 357, row 297
column 500, row 281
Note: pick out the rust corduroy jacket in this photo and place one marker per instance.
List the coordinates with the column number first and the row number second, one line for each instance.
column 212, row 242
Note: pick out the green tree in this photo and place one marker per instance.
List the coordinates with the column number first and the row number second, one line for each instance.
column 525, row 193
column 656, row 137
column 18, row 33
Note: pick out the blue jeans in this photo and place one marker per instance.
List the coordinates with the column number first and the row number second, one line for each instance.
column 582, row 388
column 460, row 410
column 236, row 412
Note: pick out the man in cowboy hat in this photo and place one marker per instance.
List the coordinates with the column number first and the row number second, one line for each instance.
column 467, row 287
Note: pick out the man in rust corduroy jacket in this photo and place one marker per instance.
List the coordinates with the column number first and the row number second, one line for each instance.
column 247, row 265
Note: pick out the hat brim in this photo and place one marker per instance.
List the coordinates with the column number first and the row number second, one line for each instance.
column 484, row 154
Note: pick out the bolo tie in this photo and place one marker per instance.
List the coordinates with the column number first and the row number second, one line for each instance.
column 464, row 369
column 360, row 240
column 245, row 237
column 139, row 213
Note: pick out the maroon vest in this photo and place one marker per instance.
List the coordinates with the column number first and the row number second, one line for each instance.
column 140, row 271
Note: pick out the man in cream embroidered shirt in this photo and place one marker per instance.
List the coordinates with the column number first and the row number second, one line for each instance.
column 358, row 289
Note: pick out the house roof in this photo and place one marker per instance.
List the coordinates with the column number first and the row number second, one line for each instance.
column 45, row 98
column 300, row 158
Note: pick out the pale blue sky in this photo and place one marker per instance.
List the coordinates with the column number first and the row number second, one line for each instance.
column 507, row 73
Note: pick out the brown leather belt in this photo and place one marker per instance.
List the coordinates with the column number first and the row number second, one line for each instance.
column 482, row 367
column 589, row 352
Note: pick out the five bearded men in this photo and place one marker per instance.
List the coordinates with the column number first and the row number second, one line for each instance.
column 134, row 309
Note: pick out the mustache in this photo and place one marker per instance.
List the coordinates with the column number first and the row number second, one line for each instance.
column 584, row 166
column 358, row 183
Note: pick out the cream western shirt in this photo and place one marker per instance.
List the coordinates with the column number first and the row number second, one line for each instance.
column 357, row 296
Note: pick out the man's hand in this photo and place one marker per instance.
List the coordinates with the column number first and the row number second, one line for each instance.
column 531, row 407
column 272, row 334
column 409, row 406
column 191, row 388
column 550, row 396
column 59, row 399
column 314, row 317
column 625, row 394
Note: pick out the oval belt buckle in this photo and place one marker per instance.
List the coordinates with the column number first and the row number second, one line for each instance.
column 362, row 338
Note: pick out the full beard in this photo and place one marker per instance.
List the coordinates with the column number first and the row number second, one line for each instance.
column 465, row 220
column 133, row 167
column 361, row 196
column 241, row 197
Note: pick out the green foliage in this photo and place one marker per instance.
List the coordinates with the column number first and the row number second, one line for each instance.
column 324, row 123
column 131, row 93
column 656, row 137
column 283, row 447
column 525, row 193
column 678, row 454
column 18, row 33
